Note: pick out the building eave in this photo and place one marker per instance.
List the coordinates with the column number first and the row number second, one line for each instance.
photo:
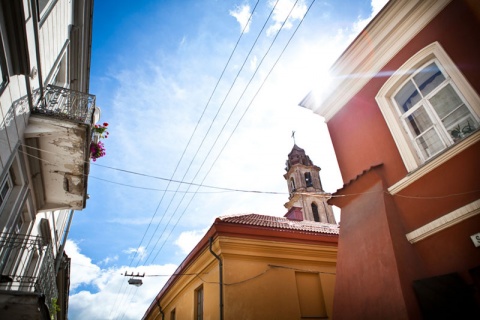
column 222, row 228
column 352, row 188
column 393, row 27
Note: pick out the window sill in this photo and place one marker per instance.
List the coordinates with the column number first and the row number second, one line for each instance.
column 435, row 162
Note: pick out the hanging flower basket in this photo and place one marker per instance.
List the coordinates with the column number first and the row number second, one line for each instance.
column 97, row 150
column 101, row 130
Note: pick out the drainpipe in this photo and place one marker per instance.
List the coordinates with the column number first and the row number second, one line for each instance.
column 220, row 272
column 64, row 240
column 33, row 7
column 161, row 311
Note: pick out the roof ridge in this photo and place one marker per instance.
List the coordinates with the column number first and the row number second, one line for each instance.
column 278, row 222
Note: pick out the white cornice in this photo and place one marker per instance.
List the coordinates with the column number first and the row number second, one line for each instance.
column 379, row 42
column 266, row 250
column 444, row 222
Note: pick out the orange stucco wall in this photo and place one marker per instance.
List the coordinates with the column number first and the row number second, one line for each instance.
column 359, row 131
column 372, row 250
column 259, row 280
column 257, row 290
column 374, row 225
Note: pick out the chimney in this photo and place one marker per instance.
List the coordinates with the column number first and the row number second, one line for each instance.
column 295, row 213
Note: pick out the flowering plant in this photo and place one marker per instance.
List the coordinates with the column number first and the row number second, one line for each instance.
column 97, row 150
column 101, row 130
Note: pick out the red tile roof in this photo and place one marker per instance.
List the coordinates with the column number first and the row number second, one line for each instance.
column 259, row 220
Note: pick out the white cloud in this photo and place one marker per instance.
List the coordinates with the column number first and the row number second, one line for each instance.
column 360, row 24
column 183, row 41
column 187, row 240
column 85, row 271
column 242, row 14
column 253, row 63
column 138, row 253
column 377, row 5
column 110, row 296
column 155, row 106
column 108, row 260
column 115, row 298
column 282, row 11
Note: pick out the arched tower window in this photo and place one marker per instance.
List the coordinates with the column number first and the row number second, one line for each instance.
column 316, row 217
column 292, row 184
column 308, row 179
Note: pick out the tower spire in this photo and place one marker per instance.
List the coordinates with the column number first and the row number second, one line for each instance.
column 305, row 188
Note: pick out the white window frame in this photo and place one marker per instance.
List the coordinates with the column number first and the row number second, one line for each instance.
column 414, row 165
column 60, row 79
column 43, row 12
column 7, row 182
column 436, row 123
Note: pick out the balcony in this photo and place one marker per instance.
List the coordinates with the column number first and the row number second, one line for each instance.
column 28, row 286
column 57, row 140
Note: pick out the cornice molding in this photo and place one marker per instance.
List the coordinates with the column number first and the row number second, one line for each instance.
column 444, row 222
column 379, row 42
column 266, row 250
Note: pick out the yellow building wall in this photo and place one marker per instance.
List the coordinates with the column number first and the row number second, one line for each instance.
column 261, row 279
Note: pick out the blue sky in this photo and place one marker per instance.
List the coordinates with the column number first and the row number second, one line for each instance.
column 156, row 70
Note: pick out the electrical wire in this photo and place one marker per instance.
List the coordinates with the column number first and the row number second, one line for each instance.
column 143, row 175
column 171, row 217
column 265, row 79
column 226, row 189
column 218, row 134
column 201, row 185
column 210, row 127
column 151, row 189
column 221, row 189
column 198, row 122
column 269, row 268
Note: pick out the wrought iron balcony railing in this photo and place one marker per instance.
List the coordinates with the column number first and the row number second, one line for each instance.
column 66, row 104
column 27, row 265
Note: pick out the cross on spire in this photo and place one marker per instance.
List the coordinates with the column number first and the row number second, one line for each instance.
column 293, row 137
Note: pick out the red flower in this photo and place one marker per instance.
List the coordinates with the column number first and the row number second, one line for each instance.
column 105, row 124
column 97, row 150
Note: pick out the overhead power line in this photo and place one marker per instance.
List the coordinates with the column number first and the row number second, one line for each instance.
column 192, row 135
column 226, row 189
column 238, row 122
column 217, row 136
column 221, row 189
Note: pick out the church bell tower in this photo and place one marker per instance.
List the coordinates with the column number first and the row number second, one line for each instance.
column 305, row 189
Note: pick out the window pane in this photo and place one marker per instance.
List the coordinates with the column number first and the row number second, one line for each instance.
column 445, row 101
column 457, row 117
column 199, row 310
column 429, row 143
column 42, row 4
column 407, row 97
column 463, row 126
column 418, row 121
column 429, row 78
column 4, row 191
column 3, row 67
